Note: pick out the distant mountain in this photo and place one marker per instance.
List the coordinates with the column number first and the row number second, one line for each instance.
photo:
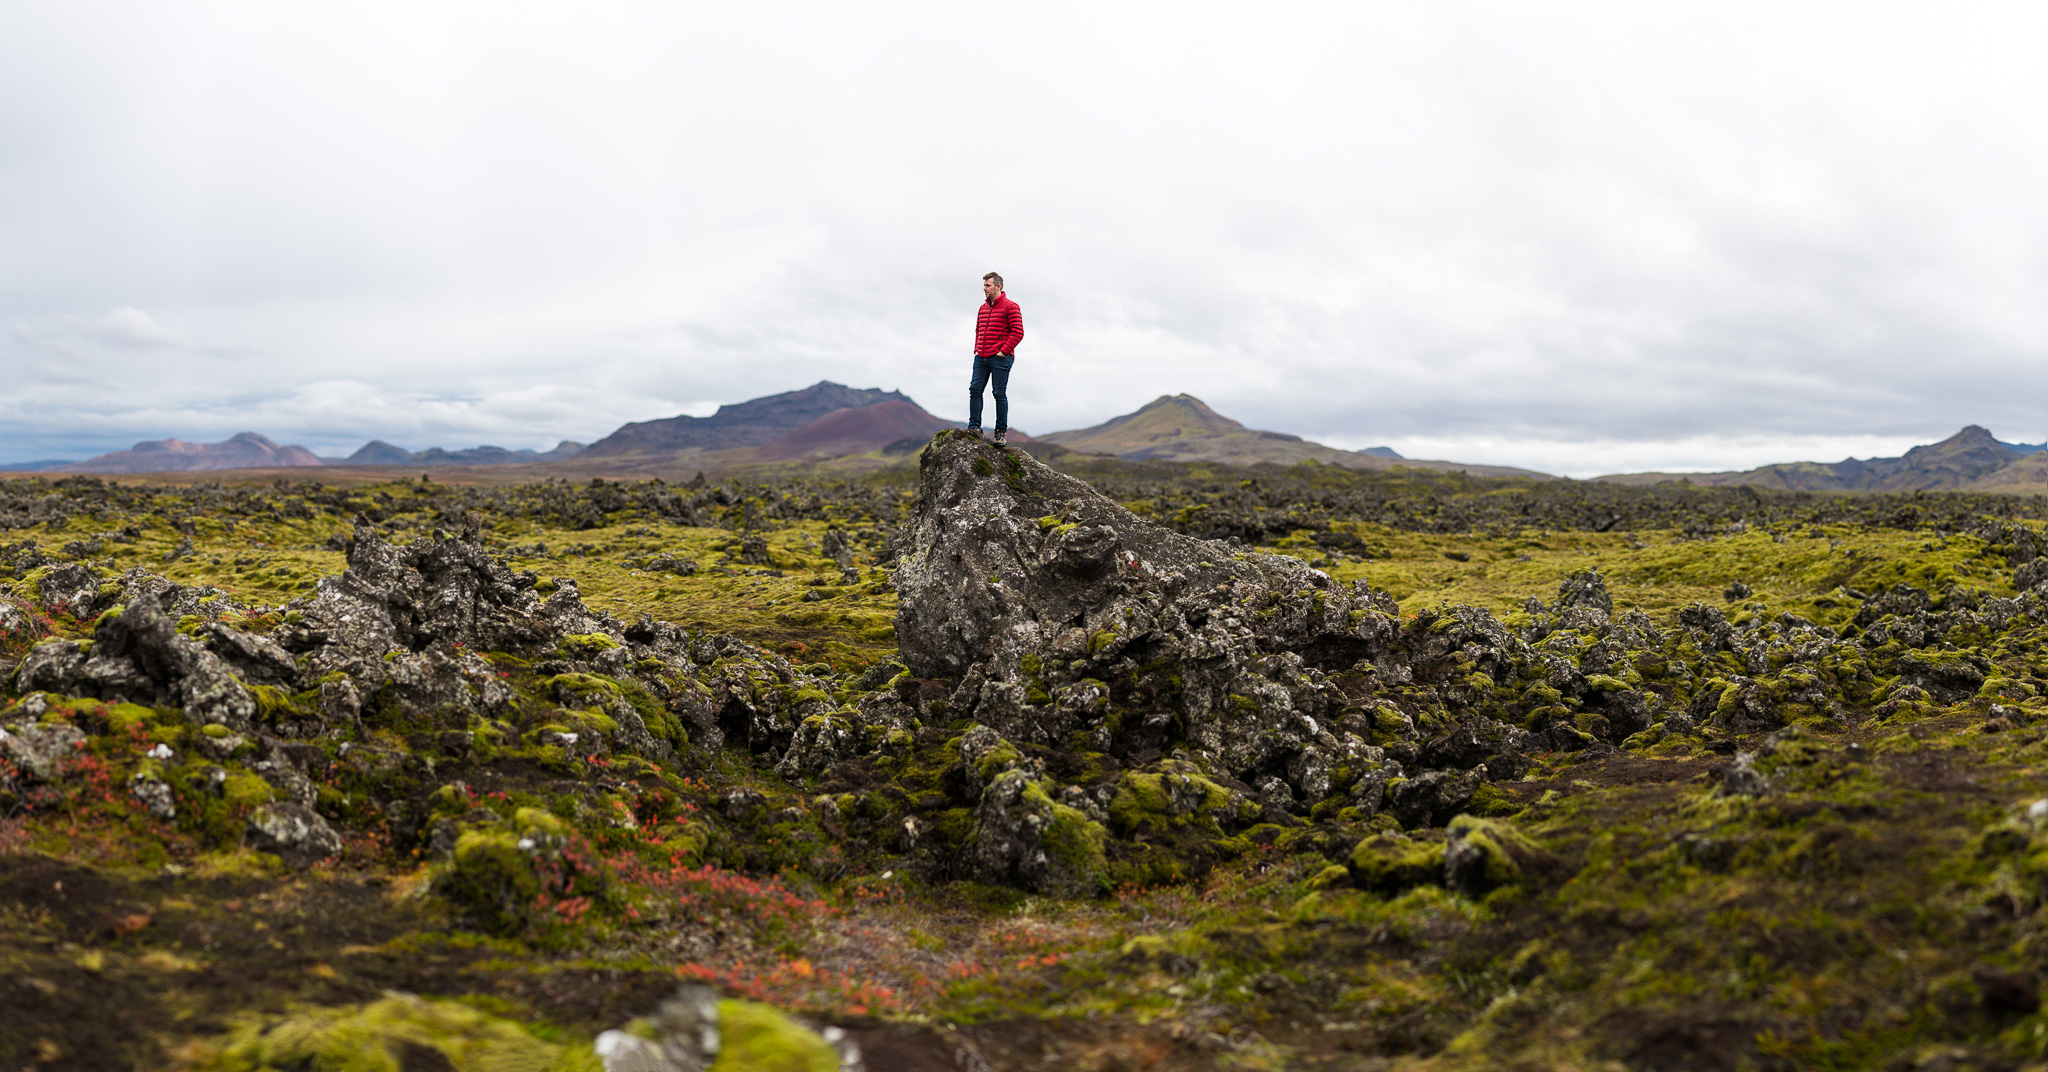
column 245, row 451
column 741, row 424
column 854, row 431
column 1970, row 460
column 378, row 452
column 1182, row 428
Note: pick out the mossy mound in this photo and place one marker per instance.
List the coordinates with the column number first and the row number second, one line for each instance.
column 397, row 1034
column 1389, row 864
column 758, row 1038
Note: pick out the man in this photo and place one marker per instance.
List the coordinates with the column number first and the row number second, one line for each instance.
column 998, row 328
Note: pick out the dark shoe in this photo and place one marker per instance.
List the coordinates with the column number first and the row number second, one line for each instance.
column 975, row 432
column 1000, row 439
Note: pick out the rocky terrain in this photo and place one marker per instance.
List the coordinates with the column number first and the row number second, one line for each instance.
column 1092, row 764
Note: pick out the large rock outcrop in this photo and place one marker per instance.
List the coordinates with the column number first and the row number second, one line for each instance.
column 1071, row 622
column 138, row 656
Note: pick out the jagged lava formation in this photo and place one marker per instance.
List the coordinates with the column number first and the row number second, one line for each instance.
column 1219, row 691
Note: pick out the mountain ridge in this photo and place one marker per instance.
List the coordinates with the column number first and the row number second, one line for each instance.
column 752, row 423
column 245, row 450
column 378, row 452
column 1971, row 460
column 1183, row 428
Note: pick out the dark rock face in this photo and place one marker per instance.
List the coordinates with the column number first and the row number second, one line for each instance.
column 447, row 589
column 294, row 832
column 1038, row 593
column 138, row 656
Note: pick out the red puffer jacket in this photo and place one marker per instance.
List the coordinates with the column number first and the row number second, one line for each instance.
column 998, row 327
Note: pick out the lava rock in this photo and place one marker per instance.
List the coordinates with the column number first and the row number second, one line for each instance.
column 1042, row 597
column 1024, row 838
column 1743, row 779
column 294, row 832
column 138, row 657
column 40, row 750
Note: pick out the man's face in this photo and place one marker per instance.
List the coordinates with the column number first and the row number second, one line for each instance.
column 989, row 288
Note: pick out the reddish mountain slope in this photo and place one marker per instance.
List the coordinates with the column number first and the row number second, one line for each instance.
column 854, row 431
column 245, row 451
column 742, row 424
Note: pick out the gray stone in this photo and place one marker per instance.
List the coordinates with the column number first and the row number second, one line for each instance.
column 41, row 750
column 1023, row 838
column 340, row 703
column 292, row 831
column 14, row 621
column 154, row 796
column 138, row 656
column 71, row 587
column 681, row 1036
column 1743, row 779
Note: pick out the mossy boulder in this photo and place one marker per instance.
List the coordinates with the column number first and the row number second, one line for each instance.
column 758, row 1038
column 1483, row 855
column 1390, row 864
column 492, row 879
column 588, row 644
column 1174, row 795
column 1023, row 837
column 506, row 876
column 582, row 690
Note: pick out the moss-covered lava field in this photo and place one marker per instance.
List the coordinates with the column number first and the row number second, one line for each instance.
column 1319, row 769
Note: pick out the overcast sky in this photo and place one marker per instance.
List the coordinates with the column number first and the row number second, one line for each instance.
column 1582, row 238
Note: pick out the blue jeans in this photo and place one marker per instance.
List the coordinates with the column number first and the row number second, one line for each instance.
column 995, row 368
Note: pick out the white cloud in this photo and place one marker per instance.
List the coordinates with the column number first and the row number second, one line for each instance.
column 127, row 328
column 1587, row 236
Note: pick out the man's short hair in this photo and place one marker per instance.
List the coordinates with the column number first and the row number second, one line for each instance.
column 997, row 278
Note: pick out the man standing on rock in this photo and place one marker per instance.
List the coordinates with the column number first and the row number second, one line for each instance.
column 998, row 328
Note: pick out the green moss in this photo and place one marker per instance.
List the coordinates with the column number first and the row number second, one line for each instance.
column 581, row 685
column 1145, row 803
column 1388, row 864
column 588, row 644
column 758, row 1038
column 272, row 703
column 492, row 879
column 392, row 1035
column 1101, row 639
column 533, row 822
column 125, row 718
column 586, row 720
column 243, row 790
column 983, row 468
column 996, row 760
column 1497, row 845
column 1488, row 800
